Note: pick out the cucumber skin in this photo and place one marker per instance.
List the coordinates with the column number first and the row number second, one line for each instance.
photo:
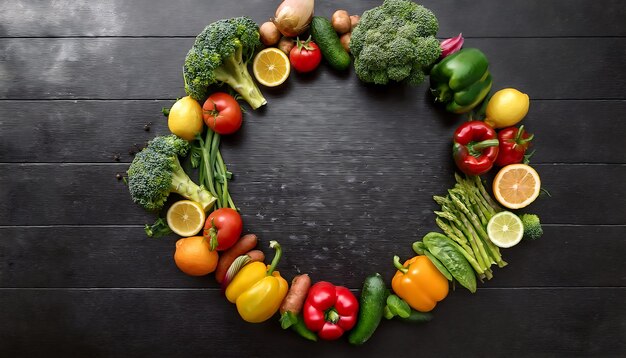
column 372, row 304
column 326, row 38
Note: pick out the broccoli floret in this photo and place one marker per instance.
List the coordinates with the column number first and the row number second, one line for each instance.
column 532, row 226
column 219, row 55
column 395, row 41
column 156, row 172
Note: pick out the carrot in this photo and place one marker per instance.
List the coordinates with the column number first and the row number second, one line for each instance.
column 293, row 302
column 245, row 244
column 256, row 255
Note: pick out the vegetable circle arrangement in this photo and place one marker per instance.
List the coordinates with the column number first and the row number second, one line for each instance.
column 392, row 43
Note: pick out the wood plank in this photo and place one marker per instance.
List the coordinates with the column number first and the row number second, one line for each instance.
column 516, row 18
column 111, row 257
column 544, row 322
column 112, row 127
column 150, row 68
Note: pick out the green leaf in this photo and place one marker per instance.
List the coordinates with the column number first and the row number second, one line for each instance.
column 288, row 319
column 419, row 247
column 158, row 229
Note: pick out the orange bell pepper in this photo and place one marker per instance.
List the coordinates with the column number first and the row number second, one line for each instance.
column 419, row 283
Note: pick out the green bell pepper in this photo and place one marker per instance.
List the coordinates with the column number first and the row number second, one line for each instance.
column 461, row 81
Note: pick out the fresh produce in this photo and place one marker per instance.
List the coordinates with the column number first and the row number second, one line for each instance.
column 505, row 229
column 532, row 226
column 461, row 81
column 475, row 147
column 286, row 44
column 441, row 267
column 451, row 45
column 156, row 172
column 516, row 186
column 398, row 308
column 243, row 245
column 185, row 218
column 305, row 56
column 185, row 118
column 194, row 257
column 158, row 229
column 258, row 291
column 354, row 20
column 220, row 54
column 223, row 228
column 514, row 143
column 222, row 113
column 419, row 283
column 293, row 302
column 395, row 42
column 372, row 305
column 345, row 41
column 446, row 252
column 506, row 108
column 341, row 22
column 300, row 327
column 293, row 16
column 239, row 263
column 330, row 310
column 465, row 213
column 269, row 34
column 271, row 67
column 326, row 38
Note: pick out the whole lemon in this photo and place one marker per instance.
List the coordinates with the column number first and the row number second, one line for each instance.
column 185, row 118
column 507, row 107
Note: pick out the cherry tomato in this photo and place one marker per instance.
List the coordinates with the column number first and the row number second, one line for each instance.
column 305, row 56
column 222, row 113
column 225, row 225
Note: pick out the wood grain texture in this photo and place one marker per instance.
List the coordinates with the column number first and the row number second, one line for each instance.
column 150, row 68
column 110, row 257
column 536, row 322
column 477, row 18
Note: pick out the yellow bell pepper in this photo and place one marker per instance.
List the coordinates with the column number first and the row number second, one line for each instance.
column 258, row 290
column 419, row 283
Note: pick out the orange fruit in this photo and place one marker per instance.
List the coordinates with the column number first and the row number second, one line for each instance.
column 516, row 186
column 271, row 67
column 194, row 257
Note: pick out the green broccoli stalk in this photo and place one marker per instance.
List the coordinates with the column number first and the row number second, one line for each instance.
column 395, row 41
column 156, row 172
column 219, row 55
column 532, row 226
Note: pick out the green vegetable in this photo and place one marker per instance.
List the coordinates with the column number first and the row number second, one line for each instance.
column 461, row 81
column 371, row 309
column 326, row 38
column 438, row 265
column 417, row 317
column 532, row 226
column 158, row 229
column 220, row 54
column 297, row 324
column 419, row 247
column 397, row 307
column 441, row 247
column 395, row 42
column 156, row 172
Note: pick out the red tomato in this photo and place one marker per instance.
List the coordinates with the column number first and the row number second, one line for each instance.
column 226, row 225
column 305, row 56
column 222, row 113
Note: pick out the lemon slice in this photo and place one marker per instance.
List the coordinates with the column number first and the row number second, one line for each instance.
column 271, row 67
column 505, row 229
column 516, row 186
column 186, row 218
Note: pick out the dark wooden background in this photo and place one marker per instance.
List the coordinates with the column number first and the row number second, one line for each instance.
column 340, row 173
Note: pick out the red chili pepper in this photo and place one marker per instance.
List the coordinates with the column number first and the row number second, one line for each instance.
column 513, row 145
column 330, row 310
column 475, row 147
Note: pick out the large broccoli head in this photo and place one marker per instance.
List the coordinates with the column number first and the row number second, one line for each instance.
column 395, row 41
column 156, row 171
column 220, row 54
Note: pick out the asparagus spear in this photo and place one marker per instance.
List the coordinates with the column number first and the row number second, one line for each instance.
column 483, row 192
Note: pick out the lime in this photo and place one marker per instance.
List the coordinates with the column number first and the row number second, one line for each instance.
column 505, row 229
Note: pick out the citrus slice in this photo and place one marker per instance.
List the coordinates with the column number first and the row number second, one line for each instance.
column 186, row 218
column 516, row 185
column 505, row 229
column 271, row 67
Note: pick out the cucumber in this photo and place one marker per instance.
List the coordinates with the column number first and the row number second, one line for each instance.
column 326, row 38
column 372, row 305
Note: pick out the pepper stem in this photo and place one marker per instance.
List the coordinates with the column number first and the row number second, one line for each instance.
column 398, row 265
column 332, row 316
column 485, row 144
column 279, row 252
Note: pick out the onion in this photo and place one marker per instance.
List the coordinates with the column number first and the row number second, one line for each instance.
column 293, row 16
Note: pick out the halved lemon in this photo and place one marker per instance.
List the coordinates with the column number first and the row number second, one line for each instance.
column 516, row 186
column 505, row 229
column 271, row 67
column 186, row 218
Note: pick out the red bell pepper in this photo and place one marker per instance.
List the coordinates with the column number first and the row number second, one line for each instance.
column 475, row 147
column 330, row 310
column 513, row 145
